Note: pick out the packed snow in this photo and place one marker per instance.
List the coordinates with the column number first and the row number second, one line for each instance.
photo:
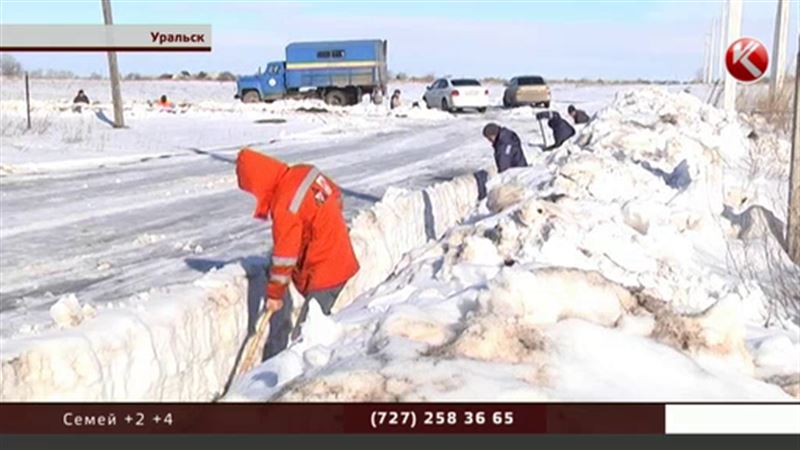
column 638, row 262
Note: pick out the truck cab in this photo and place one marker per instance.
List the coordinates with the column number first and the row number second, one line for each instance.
column 264, row 86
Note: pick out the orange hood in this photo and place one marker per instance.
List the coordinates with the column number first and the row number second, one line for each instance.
column 259, row 175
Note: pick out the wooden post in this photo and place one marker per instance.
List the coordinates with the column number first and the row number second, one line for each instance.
column 734, row 29
column 793, row 216
column 28, row 100
column 779, row 48
column 113, row 72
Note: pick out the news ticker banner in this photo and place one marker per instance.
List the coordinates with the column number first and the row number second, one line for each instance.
column 120, row 38
column 397, row 418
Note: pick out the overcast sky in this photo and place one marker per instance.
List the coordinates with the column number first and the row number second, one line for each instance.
column 594, row 39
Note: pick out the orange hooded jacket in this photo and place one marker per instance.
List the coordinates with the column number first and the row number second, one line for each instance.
column 311, row 245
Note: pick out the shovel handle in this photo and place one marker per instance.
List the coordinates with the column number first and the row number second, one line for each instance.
column 250, row 354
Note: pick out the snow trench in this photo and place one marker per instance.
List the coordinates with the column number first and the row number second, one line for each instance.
column 182, row 344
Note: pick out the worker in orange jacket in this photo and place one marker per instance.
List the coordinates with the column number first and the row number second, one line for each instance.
column 311, row 244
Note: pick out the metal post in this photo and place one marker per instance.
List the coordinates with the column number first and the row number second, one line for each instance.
column 734, row 30
column 793, row 216
column 28, row 99
column 113, row 72
column 779, row 48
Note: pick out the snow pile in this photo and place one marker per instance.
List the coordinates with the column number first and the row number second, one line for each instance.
column 178, row 346
column 400, row 222
column 604, row 275
column 67, row 311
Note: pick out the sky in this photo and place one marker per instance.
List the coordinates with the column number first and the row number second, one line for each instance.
column 557, row 39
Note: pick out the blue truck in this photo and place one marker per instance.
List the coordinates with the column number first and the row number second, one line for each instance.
column 339, row 72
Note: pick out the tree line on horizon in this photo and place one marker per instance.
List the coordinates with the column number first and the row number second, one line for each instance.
column 11, row 67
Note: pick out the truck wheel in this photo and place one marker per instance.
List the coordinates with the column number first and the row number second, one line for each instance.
column 336, row 98
column 506, row 103
column 481, row 110
column 444, row 105
column 546, row 104
column 251, row 97
column 354, row 97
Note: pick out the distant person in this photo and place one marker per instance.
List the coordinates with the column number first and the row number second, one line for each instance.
column 165, row 104
column 578, row 115
column 81, row 98
column 507, row 147
column 562, row 130
column 395, row 101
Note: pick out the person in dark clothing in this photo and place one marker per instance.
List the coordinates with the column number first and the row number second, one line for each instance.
column 81, row 98
column 578, row 115
column 562, row 130
column 507, row 147
column 395, row 100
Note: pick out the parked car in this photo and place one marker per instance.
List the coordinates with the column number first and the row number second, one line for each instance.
column 339, row 72
column 456, row 94
column 527, row 90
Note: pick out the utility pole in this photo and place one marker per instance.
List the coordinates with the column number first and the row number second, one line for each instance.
column 734, row 30
column 706, row 47
column 793, row 216
column 710, row 62
column 713, row 50
column 113, row 72
column 723, row 42
column 779, row 48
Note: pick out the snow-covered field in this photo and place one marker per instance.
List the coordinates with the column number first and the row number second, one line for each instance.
column 611, row 269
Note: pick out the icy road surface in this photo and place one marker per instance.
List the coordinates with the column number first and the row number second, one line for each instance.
column 110, row 228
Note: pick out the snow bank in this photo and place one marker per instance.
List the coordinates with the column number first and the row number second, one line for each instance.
column 606, row 275
column 178, row 346
column 400, row 222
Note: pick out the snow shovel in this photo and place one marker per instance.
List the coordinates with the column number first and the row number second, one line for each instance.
column 250, row 354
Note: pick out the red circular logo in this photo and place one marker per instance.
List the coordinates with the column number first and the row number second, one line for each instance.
column 747, row 59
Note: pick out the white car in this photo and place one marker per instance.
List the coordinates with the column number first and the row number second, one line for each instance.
column 456, row 94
